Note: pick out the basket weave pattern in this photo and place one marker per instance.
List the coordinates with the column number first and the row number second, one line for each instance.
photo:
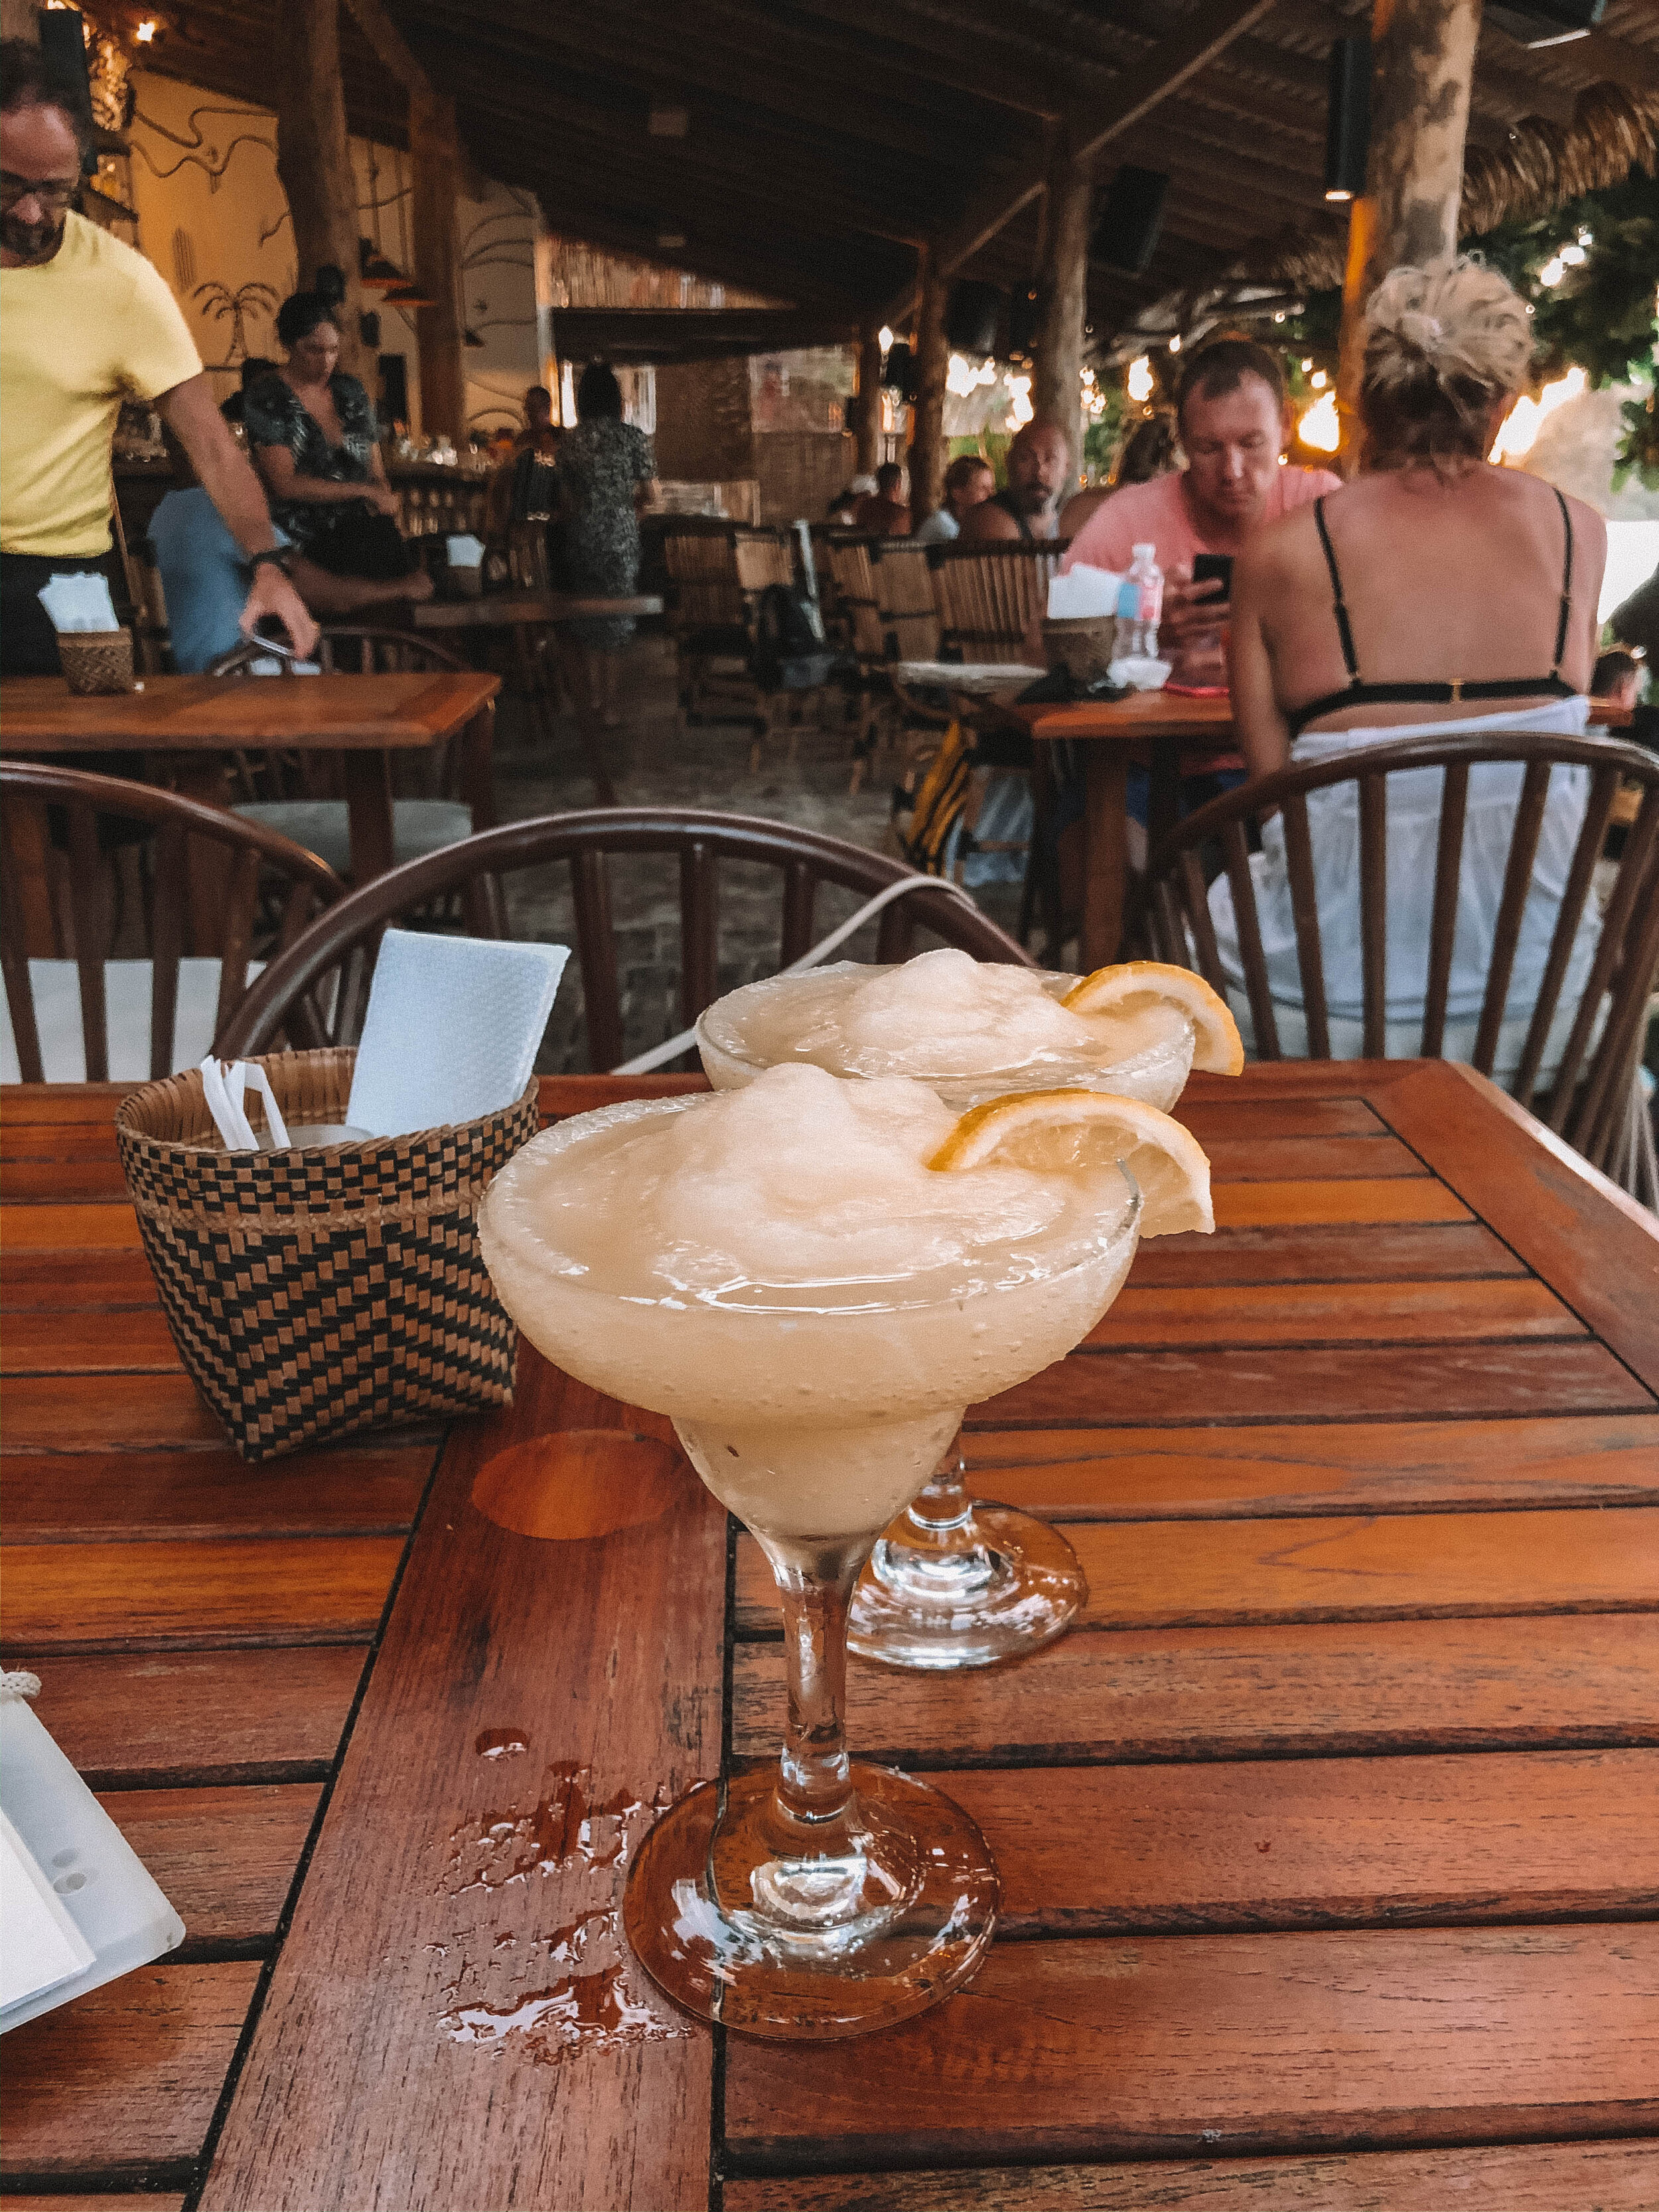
column 96, row 660
column 315, row 1293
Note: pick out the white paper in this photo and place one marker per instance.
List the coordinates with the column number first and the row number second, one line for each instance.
column 43, row 1947
column 1140, row 673
column 452, row 1029
column 1083, row 593
column 78, row 603
column 465, row 551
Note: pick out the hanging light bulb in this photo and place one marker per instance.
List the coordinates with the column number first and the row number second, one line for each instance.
column 1320, row 427
column 1140, row 382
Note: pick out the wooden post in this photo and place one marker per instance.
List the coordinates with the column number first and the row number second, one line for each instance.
column 313, row 159
column 1062, row 285
column 436, row 159
column 866, row 411
column 931, row 365
column 1422, row 62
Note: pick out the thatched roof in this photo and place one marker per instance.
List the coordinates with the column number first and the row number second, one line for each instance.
column 819, row 143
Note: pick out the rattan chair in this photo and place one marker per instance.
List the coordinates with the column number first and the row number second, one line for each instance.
column 1575, row 1063
column 342, row 943
column 988, row 595
column 68, row 891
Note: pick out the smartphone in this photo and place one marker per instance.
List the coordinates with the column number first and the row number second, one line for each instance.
column 1208, row 567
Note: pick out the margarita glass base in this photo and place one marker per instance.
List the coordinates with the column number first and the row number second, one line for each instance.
column 740, row 1933
column 956, row 1582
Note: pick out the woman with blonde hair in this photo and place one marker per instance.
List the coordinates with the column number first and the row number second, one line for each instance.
column 1433, row 594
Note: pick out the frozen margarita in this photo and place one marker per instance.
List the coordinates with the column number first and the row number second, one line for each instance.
column 971, row 1030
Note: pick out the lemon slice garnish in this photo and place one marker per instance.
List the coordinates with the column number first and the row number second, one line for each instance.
column 1062, row 1132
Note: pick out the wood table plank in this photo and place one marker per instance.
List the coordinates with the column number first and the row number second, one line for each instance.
column 122, row 2083
column 70, row 1342
column 1293, row 1313
column 1216, row 1116
column 358, row 1487
column 1388, row 1467
column 1320, row 1842
column 225, row 1858
column 1240, row 1156
column 1176, row 2044
column 397, row 1997
column 55, row 1412
column 162, row 2201
column 50, row 1227
column 1381, row 1252
column 58, row 1181
column 1305, row 1204
column 1219, row 1574
column 57, row 1280
column 1573, row 2177
column 1318, row 1382
column 180, row 1717
column 1546, row 1682
column 203, row 1591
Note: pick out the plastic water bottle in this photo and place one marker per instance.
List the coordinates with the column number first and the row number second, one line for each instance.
column 1148, row 579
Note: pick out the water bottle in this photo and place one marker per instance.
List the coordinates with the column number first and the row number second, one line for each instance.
column 1148, row 579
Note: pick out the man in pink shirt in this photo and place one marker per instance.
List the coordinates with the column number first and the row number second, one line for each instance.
column 1234, row 426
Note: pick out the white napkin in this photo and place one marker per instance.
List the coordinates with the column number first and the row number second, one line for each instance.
column 1140, row 673
column 465, row 551
column 452, row 1029
column 1082, row 593
column 78, row 603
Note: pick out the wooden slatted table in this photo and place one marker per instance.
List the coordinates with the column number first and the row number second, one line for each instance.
column 1330, row 1838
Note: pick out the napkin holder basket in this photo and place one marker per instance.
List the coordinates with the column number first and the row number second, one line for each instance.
column 320, row 1292
column 1082, row 645
column 96, row 661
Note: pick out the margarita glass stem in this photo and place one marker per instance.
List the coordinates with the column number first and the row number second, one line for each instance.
column 814, row 1801
column 940, row 1513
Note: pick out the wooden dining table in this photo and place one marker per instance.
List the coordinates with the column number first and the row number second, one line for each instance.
column 195, row 724
column 1328, row 1836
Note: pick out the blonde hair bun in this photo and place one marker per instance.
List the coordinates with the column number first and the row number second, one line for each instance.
column 1459, row 324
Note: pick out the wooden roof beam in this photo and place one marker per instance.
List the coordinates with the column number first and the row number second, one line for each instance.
column 1211, row 28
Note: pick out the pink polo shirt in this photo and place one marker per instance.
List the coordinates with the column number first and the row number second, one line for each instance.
column 1156, row 513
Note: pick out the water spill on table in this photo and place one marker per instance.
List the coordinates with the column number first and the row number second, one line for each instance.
column 501, row 1742
column 590, row 2007
column 566, row 1826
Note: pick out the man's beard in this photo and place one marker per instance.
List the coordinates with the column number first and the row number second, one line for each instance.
column 1032, row 499
column 31, row 242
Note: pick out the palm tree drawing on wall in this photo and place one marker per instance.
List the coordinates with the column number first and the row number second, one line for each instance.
column 237, row 306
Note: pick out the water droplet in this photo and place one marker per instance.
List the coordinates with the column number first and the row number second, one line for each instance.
column 500, row 1742
column 592, row 2007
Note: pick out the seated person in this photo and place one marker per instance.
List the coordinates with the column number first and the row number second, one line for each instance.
column 1618, row 679
column 842, row 509
column 883, row 513
column 1433, row 594
column 204, row 576
column 311, row 430
column 1039, row 472
column 253, row 369
column 969, row 482
column 1234, row 425
column 1150, row 450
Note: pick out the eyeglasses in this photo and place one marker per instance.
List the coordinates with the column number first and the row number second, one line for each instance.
column 52, row 193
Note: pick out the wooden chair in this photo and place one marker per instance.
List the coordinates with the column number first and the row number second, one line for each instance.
column 904, row 591
column 1589, row 1085
column 708, row 619
column 294, row 795
column 344, row 941
column 65, row 901
column 988, row 596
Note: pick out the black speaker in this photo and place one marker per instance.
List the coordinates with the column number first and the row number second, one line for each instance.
column 1546, row 22
column 972, row 313
column 1347, row 118
column 1024, row 310
column 896, row 369
column 63, row 51
column 1125, row 233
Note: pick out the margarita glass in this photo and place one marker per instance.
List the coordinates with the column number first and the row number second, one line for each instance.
column 781, row 1272
column 956, row 1581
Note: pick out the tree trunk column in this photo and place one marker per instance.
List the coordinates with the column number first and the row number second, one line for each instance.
column 314, row 158
column 1422, row 66
column 1062, row 285
column 435, row 162
column 932, row 363
column 866, row 412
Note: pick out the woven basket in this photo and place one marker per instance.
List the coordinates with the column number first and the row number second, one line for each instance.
column 96, row 660
column 1083, row 645
column 315, row 1293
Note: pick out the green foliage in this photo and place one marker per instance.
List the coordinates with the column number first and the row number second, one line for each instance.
column 1601, row 315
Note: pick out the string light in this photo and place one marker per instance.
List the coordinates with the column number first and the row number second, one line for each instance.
column 885, row 339
column 1175, row 345
column 1140, row 385
column 1527, row 416
column 1019, row 394
column 1320, row 427
column 146, row 31
column 1319, row 380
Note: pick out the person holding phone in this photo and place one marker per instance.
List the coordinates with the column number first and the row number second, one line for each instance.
column 1234, row 424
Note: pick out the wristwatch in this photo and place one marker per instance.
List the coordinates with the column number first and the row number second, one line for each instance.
column 273, row 556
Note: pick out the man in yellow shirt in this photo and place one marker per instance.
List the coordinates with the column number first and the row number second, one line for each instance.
column 85, row 323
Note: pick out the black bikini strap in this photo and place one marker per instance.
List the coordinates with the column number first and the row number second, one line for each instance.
column 1567, row 585
column 1349, row 659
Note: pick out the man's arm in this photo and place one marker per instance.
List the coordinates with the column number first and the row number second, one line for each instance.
column 1264, row 735
column 988, row 522
column 228, row 479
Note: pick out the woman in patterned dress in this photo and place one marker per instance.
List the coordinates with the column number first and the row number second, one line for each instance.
column 313, row 435
column 606, row 474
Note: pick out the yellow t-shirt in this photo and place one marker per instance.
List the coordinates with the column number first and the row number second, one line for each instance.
column 92, row 326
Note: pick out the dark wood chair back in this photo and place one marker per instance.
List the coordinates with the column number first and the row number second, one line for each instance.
column 904, row 593
column 344, row 941
column 363, row 649
column 988, row 596
column 55, row 901
column 1590, row 1086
